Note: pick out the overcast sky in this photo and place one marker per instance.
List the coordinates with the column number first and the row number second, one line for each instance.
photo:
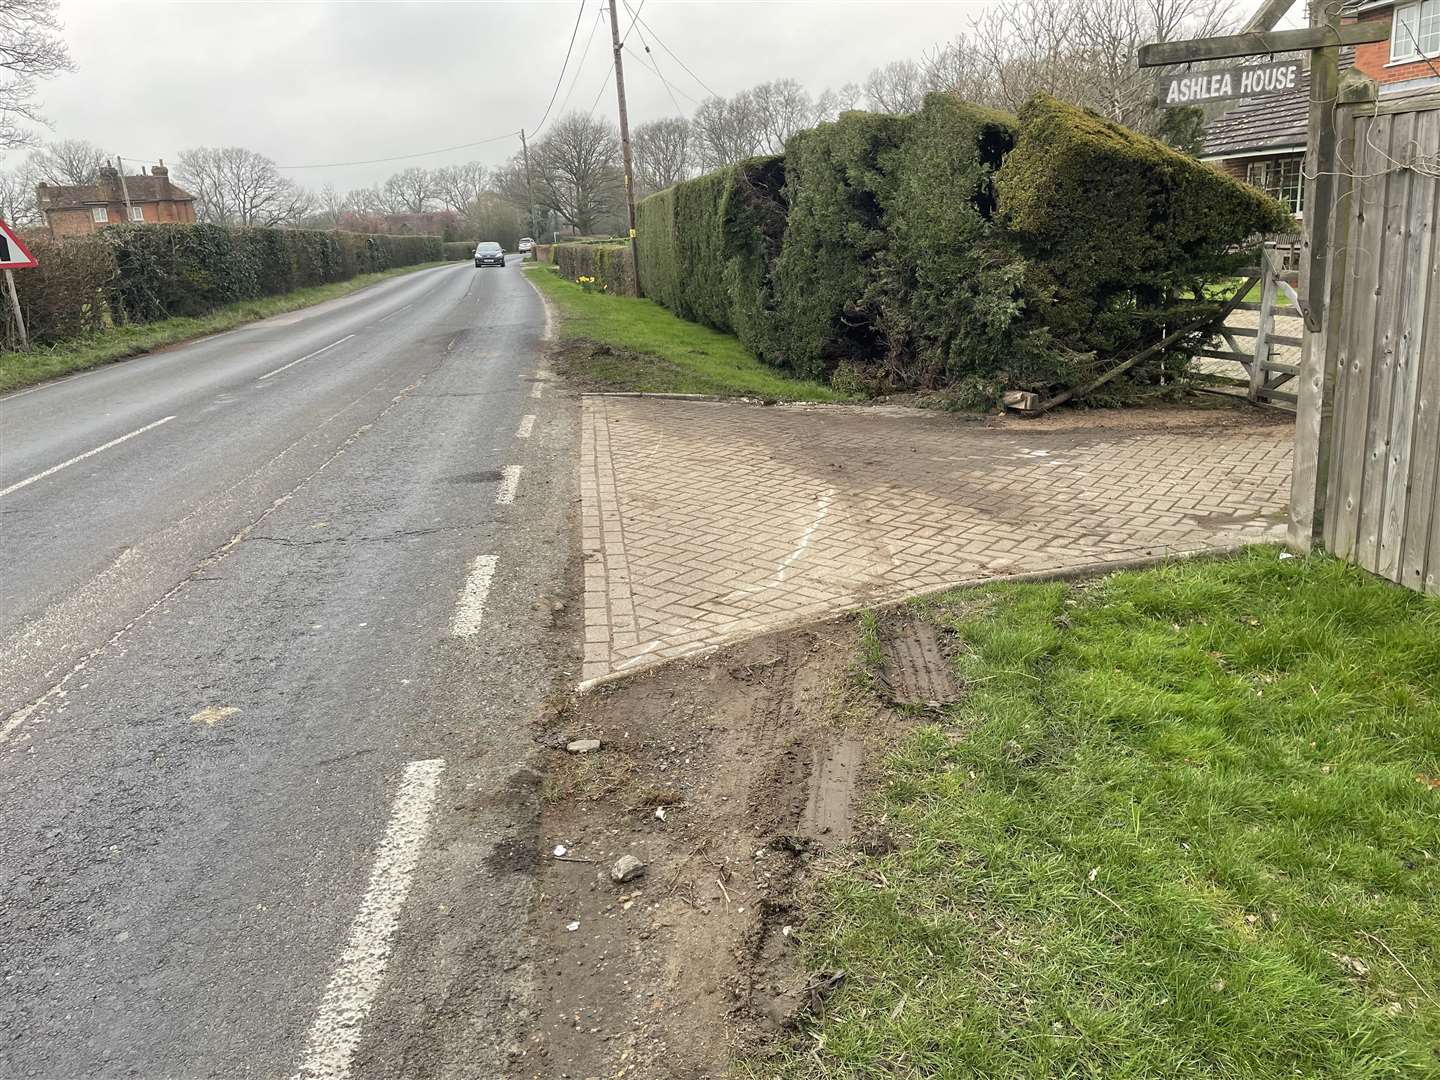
column 349, row 80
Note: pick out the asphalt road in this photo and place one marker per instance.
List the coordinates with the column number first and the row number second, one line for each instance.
column 274, row 611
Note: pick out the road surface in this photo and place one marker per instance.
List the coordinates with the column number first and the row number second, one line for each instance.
column 274, row 610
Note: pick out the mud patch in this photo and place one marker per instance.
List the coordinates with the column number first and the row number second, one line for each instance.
column 917, row 669
column 731, row 778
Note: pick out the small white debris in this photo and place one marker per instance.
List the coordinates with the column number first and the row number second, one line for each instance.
column 1286, row 555
column 1093, row 872
column 561, row 851
column 583, row 746
column 786, row 931
column 660, row 812
column 572, row 927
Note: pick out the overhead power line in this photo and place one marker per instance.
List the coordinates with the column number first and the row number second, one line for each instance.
column 405, row 157
column 661, row 43
column 563, row 67
column 584, row 55
column 650, row 61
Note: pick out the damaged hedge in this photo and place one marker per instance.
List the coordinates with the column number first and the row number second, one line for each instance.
column 955, row 247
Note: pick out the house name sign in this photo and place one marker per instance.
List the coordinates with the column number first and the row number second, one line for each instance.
column 1176, row 90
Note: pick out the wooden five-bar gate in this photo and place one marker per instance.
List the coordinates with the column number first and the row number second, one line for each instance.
column 1255, row 334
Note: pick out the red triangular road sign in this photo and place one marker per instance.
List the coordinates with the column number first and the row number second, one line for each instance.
column 14, row 255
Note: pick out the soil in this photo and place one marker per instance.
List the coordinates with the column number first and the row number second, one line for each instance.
column 733, row 778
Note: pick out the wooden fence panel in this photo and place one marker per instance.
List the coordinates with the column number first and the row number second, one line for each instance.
column 1384, row 475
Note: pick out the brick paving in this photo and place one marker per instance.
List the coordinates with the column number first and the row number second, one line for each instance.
column 704, row 521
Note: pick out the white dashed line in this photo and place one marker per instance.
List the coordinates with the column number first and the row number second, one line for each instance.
column 302, row 359
column 361, row 968
column 81, row 457
column 471, row 607
column 527, row 425
column 392, row 314
column 509, row 481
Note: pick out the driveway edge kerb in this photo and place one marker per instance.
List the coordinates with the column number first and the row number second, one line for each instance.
column 1065, row 573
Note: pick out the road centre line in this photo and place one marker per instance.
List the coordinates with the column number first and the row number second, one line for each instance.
column 527, row 425
column 307, row 356
column 509, row 481
column 81, row 457
column 336, row 1031
column 470, row 608
column 392, row 314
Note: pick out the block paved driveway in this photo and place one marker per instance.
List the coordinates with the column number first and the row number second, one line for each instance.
column 706, row 521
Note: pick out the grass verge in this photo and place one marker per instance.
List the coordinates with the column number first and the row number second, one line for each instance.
column 643, row 347
column 19, row 370
column 1185, row 824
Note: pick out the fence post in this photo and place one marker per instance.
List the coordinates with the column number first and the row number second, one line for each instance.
column 1315, row 394
column 1269, row 273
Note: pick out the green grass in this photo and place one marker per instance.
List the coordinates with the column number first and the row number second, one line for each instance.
column 1191, row 829
column 18, row 370
column 652, row 350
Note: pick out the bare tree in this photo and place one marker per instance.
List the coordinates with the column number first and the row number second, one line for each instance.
column 577, row 170
column 235, row 186
column 663, row 153
column 781, row 108
column 727, row 130
column 67, row 162
column 1084, row 50
column 30, row 50
column 898, row 87
column 457, row 186
column 410, row 191
column 17, row 197
column 958, row 68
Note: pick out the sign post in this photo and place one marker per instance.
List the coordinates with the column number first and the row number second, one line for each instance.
column 14, row 255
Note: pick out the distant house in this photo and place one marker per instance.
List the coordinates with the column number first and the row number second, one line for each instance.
column 1262, row 140
column 87, row 208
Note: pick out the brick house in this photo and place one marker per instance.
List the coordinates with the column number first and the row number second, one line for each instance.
column 1262, row 140
column 87, row 208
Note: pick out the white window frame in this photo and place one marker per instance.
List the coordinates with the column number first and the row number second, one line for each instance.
column 137, row 213
column 99, row 215
column 1404, row 49
column 1268, row 176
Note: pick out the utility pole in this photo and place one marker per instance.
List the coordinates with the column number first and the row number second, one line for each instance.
column 529, row 186
column 125, row 191
column 625, row 142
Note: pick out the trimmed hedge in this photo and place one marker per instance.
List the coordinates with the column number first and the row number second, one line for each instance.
column 952, row 247
column 1113, row 225
column 141, row 273
column 67, row 295
column 609, row 264
column 457, row 250
column 707, row 245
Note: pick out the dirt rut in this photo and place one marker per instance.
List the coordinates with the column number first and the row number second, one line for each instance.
column 729, row 777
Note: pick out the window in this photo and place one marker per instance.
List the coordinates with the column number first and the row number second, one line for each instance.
column 1281, row 179
column 1416, row 33
column 137, row 213
column 99, row 215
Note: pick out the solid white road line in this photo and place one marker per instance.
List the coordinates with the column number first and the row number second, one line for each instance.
column 527, row 425
column 392, row 314
column 302, row 359
column 81, row 457
column 509, row 481
column 336, row 1030
column 470, row 609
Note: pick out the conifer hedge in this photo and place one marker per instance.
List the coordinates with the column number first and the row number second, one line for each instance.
column 1114, row 226
column 955, row 246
